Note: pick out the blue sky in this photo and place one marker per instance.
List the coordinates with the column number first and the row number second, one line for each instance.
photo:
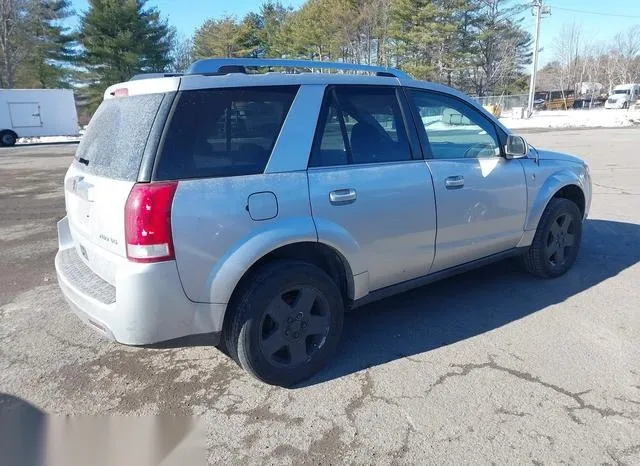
column 187, row 15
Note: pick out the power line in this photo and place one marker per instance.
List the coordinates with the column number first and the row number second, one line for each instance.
column 598, row 13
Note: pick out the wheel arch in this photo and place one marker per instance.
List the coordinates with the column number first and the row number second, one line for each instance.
column 326, row 257
column 565, row 184
column 573, row 193
column 232, row 269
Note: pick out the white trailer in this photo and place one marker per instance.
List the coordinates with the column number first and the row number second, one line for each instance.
column 35, row 113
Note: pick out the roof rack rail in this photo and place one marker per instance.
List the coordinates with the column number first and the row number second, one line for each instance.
column 214, row 66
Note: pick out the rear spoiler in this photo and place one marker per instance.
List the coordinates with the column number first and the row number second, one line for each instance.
column 154, row 75
column 144, row 84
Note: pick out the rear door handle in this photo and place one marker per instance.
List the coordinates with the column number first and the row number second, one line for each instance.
column 342, row 196
column 454, row 182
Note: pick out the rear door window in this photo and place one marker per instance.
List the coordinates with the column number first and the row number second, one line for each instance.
column 223, row 132
column 363, row 125
column 117, row 135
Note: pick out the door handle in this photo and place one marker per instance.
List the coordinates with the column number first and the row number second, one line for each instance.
column 454, row 182
column 342, row 196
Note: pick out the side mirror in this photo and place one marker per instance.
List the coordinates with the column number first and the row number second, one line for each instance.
column 516, row 147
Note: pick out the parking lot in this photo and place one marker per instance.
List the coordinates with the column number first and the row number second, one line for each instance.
column 489, row 366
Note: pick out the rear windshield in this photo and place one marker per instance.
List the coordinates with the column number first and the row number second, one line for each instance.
column 116, row 137
column 223, row 132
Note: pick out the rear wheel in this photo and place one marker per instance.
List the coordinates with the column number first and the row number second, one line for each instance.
column 557, row 240
column 285, row 323
column 8, row 138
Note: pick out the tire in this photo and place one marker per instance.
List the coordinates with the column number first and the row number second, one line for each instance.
column 285, row 322
column 8, row 138
column 556, row 244
column 625, row 105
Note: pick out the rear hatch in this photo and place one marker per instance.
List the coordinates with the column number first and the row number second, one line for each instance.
column 104, row 170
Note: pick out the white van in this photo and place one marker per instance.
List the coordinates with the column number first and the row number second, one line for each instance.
column 35, row 113
column 623, row 96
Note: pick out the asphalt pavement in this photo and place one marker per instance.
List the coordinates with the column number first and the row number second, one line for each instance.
column 492, row 366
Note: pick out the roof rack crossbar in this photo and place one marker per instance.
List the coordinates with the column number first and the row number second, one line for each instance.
column 218, row 65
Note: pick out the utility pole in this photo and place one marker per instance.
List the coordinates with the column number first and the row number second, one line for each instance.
column 539, row 9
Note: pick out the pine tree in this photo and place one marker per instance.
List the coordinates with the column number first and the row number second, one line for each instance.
column 249, row 36
column 421, row 29
column 35, row 46
column 274, row 15
column 50, row 45
column 319, row 30
column 218, row 38
column 121, row 38
column 503, row 47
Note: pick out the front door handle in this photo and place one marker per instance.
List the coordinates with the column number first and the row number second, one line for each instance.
column 454, row 182
column 342, row 196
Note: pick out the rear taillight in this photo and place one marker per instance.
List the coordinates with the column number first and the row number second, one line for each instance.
column 147, row 222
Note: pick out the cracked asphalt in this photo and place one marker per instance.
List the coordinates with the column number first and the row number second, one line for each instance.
column 492, row 366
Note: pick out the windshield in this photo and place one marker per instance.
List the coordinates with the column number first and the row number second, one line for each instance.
column 621, row 91
column 116, row 137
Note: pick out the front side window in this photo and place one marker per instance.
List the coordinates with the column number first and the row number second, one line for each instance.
column 223, row 132
column 360, row 125
column 454, row 129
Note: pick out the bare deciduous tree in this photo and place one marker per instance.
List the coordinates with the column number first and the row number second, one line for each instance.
column 181, row 53
column 568, row 48
column 576, row 61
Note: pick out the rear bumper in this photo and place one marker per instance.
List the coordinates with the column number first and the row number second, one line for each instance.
column 147, row 304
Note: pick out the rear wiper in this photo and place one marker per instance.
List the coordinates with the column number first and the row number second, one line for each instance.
column 83, row 161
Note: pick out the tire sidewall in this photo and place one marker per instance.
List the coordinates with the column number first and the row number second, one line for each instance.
column 251, row 311
column 9, row 143
column 559, row 207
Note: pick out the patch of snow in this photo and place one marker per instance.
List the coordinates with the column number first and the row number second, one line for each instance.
column 48, row 139
column 595, row 118
column 634, row 115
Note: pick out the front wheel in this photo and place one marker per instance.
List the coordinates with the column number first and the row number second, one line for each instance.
column 557, row 240
column 286, row 322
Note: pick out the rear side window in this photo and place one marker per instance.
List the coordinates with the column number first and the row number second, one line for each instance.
column 223, row 132
column 116, row 137
column 363, row 125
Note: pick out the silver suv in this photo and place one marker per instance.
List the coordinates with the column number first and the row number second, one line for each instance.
column 258, row 207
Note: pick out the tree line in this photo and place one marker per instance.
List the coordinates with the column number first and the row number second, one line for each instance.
column 35, row 49
column 115, row 39
column 479, row 46
column 578, row 59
